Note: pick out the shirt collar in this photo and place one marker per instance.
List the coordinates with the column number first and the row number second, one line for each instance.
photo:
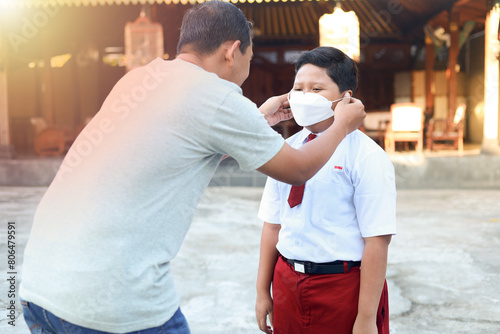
column 305, row 133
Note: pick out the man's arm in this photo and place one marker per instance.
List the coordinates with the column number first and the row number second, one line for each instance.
column 373, row 269
column 268, row 257
column 296, row 166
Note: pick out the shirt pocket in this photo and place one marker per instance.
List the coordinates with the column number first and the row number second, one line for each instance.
column 333, row 199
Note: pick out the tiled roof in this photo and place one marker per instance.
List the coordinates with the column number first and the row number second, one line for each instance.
column 38, row 3
column 283, row 19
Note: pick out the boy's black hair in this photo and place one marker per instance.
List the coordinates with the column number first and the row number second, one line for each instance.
column 206, row 26
column 339, row 67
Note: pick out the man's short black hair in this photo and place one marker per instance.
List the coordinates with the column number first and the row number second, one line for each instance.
column 339, row 67
column 207, row 26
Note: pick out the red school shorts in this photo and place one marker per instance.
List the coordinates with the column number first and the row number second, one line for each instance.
column 319, row 304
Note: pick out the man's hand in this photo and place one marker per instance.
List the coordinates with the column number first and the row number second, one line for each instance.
column 263, row 308
column 350, row 112
column 276, row 109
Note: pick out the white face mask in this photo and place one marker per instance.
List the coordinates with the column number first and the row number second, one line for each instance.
column 310, row 108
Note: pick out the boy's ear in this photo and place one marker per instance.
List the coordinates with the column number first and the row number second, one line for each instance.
column 347, row 91
column 231, row 49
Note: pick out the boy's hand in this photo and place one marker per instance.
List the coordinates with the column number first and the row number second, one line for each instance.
column 276, row 109
column 364, row 326
column 350, row 113
column 264, row 308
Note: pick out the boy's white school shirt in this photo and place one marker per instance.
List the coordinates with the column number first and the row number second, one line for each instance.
column 352, row 197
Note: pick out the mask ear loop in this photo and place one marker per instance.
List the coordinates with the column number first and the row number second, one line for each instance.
column 341, row 99
column 345, row 97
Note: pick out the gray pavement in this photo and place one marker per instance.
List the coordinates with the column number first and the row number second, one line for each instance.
column 443, row 271
column 429, row 170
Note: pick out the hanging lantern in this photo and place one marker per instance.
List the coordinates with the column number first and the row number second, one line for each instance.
column 143, row 41
column 341, row 30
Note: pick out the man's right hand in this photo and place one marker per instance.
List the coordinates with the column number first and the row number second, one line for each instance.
column 350, row 113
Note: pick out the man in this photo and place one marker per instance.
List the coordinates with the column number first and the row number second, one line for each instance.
column 118, row 210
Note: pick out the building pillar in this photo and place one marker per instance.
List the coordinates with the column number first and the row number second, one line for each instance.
column 6, row 150
column 429, row 77
column 452, row 61
column 47, row 87
column 490, row 144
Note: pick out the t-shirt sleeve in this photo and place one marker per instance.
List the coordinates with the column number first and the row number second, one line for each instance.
column 375, row 195
column 269, row 210
column 240, row 130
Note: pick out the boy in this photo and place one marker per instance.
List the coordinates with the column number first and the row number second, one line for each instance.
column 324, row 245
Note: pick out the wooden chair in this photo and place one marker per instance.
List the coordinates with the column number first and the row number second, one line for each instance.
column 374, row 125
column 445, row 133
column 406, row 125
column 48, row 140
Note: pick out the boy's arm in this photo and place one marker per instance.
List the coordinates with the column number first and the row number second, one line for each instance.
column 296, row 166
column 268, row 258
column 373, row 269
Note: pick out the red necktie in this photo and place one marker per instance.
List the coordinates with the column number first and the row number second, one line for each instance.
column 297, row 192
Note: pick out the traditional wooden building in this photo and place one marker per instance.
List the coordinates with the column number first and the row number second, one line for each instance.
column 60, row 58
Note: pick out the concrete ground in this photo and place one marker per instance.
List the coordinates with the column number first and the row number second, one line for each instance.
column 443, row 271
column 444, row 169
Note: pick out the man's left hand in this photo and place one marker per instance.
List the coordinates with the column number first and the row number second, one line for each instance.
column 276, row 109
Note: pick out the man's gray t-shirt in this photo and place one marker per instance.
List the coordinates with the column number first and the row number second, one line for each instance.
column 122, row 202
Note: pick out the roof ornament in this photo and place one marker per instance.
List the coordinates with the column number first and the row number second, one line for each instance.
column 341, row 30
